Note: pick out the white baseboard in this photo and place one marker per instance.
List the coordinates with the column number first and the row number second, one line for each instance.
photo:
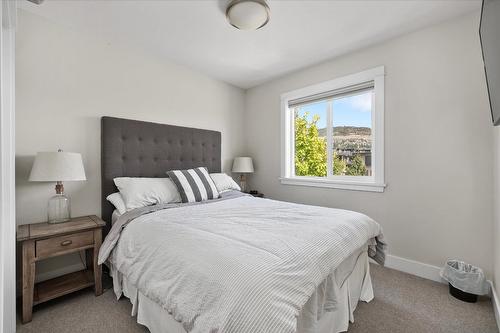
column 413, row 267
column 496, row 303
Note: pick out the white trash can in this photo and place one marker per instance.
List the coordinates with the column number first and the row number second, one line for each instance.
column 465, row 281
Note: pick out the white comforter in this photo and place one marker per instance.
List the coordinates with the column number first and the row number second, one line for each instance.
column 243, row 265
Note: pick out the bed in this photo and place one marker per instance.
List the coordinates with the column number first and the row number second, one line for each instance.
column 234, row 264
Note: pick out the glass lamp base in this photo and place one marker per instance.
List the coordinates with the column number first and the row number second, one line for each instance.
column 243, row 183
column 59, row 209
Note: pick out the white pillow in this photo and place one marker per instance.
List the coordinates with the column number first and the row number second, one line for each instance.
column 140, row 192
column 224, row 183
column 117, row 201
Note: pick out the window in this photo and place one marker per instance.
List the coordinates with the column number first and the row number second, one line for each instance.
column 332, row 133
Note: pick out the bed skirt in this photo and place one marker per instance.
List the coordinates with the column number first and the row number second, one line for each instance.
column 350, row 283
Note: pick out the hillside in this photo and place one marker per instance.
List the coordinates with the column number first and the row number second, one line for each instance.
column 350, row 137
column 347, row 131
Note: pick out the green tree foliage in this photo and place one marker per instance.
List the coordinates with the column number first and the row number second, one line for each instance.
column 339, row 165
column 310, row 148
column 310, row 152
column 356, row 167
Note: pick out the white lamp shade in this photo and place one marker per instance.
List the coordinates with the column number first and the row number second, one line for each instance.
column 57, row 166
column 248, row 14
column 243, row 165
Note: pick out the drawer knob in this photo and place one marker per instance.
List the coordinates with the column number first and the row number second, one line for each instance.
column 66, row 242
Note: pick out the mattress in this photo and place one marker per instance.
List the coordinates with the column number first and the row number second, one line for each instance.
column 350, row 283
column 241, row 264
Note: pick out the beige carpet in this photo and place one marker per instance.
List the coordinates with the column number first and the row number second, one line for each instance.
column 403, row 303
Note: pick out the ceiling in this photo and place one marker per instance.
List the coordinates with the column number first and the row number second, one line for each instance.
column 300, row 33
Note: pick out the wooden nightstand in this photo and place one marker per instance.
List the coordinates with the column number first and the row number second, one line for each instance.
column 44, row 240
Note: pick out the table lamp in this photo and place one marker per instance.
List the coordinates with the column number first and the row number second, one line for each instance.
column 58, row 167
column 243, row 165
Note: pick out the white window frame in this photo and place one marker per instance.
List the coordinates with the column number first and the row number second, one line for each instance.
column 374, row 183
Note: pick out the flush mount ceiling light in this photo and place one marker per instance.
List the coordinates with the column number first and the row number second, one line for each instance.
column 248, row 14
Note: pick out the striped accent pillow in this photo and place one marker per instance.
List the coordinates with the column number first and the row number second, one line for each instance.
column 194, row 184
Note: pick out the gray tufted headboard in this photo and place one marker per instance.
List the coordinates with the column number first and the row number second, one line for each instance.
column 131, row 148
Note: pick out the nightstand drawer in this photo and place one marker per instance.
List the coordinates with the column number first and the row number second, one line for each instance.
column 56, row 245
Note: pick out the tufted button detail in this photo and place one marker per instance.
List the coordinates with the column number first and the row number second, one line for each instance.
column 139, row 139
column 124, row 138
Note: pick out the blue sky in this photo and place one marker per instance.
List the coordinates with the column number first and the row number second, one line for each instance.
column 348, row 111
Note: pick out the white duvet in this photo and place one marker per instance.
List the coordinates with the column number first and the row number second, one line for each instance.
column 243, row 265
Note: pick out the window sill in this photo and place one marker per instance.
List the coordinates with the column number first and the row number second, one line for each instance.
column 338, row 184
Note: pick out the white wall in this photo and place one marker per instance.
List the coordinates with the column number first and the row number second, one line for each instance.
column 7, row 168
column 438, row 143
column 67, row 80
